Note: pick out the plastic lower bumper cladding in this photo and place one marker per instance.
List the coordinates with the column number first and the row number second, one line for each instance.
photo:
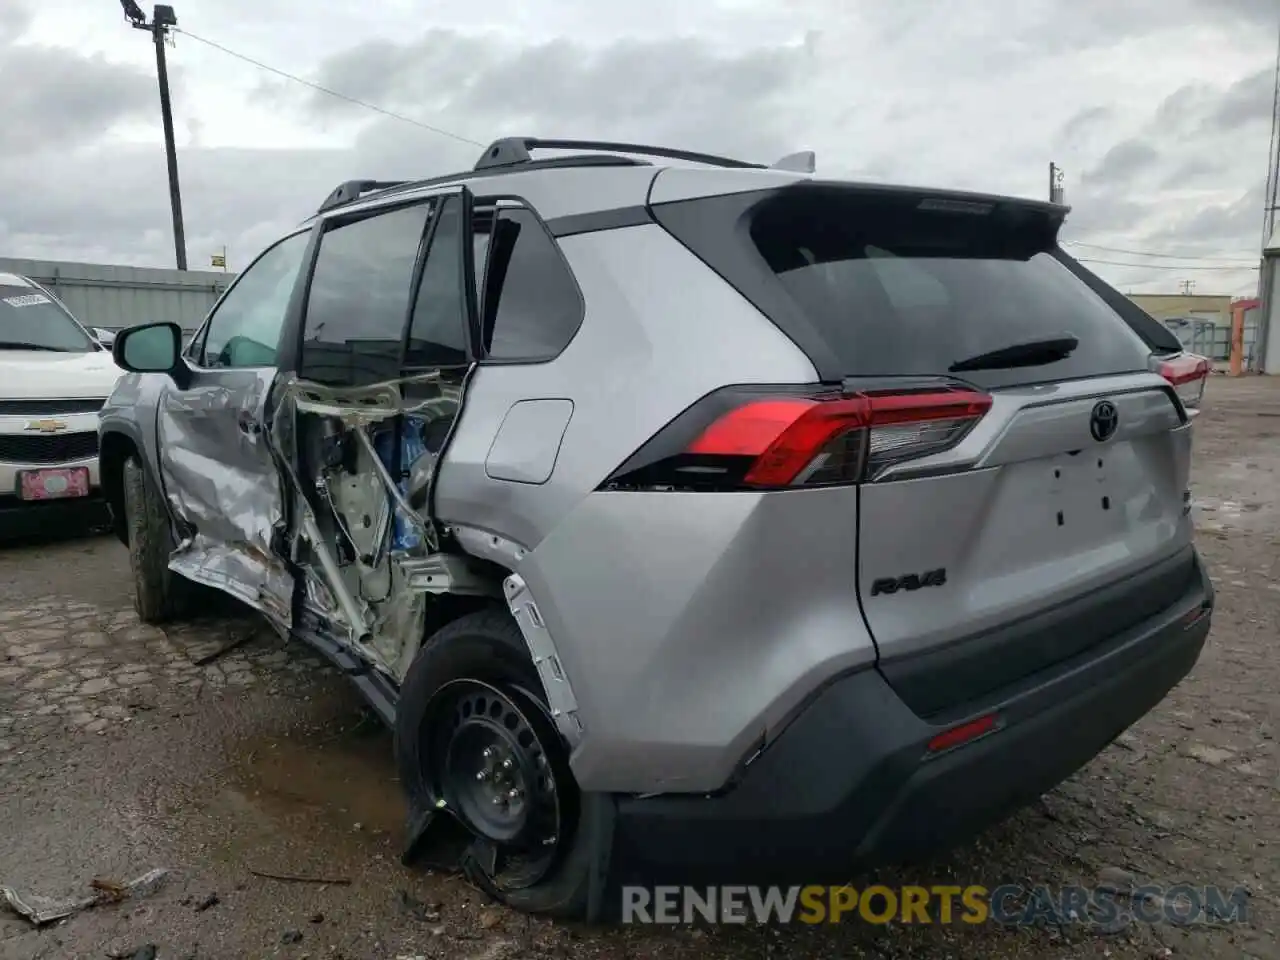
column 851, row 782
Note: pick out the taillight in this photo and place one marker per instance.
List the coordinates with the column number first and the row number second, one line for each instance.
column 1187, row 373
column 743, row 439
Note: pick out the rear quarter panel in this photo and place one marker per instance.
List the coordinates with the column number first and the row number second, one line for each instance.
column 689, row 625
column 661, row 330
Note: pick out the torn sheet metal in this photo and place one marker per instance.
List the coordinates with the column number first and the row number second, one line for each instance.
column 42, row 910
column 221, row 477
column 259, row 580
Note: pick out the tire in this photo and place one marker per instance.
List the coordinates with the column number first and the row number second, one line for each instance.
column 158, row 593
column 487, row 646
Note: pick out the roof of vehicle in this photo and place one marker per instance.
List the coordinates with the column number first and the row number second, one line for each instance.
column 612, row 175
column 14, row 280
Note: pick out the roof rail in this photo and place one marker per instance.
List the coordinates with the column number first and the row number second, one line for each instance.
column 511, row 151
column 353, row 189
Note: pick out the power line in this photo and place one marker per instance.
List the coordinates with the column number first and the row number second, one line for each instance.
column 1158, row 256
column 1128, row 285
column 1166, row 266
column 333, row 93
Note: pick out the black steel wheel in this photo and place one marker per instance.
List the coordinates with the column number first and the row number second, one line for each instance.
column 494, row 758
column 474, row 687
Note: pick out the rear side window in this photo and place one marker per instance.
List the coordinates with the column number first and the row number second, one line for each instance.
column 358, row 304
column 896, row 286
column 532, row 306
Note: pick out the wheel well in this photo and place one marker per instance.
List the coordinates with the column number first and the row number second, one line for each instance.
column 449, row 607
column 115, row 450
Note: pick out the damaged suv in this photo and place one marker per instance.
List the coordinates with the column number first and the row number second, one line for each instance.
column 684, row 518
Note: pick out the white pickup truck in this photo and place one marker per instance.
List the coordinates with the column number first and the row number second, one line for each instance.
column 54, row 378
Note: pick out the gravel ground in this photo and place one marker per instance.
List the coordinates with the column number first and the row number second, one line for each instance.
column 120, row 753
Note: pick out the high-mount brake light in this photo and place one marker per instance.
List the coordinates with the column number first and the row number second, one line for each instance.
column 1187, row 373
column 772, row 440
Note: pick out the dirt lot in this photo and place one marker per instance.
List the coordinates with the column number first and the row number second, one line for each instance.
column 119, row 753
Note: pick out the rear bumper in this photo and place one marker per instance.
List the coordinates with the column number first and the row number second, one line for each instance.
column 849, row 783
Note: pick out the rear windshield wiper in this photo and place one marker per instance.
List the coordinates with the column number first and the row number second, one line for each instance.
column 1032, row 353
column 20, row 345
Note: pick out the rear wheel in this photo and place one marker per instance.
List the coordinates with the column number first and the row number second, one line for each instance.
column 474, row 737
column 158, row 593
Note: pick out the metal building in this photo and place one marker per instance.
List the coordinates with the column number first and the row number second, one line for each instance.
column 114, row 297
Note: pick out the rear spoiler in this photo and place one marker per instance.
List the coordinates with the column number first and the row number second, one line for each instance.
column 1031, row 226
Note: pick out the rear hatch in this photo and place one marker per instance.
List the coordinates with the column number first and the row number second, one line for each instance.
column 1043, row 513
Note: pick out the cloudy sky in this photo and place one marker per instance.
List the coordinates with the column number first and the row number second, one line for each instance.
column 1159, row 111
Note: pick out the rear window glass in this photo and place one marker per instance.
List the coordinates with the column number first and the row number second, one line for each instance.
column 1152, row 332
column 897, row 285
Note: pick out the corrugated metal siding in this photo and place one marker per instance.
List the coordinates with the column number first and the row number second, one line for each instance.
column 1269, row 337
column 114, row 297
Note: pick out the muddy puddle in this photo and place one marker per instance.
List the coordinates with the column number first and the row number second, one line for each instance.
column 1236, row 496
column 346, row 779
column 319, row 802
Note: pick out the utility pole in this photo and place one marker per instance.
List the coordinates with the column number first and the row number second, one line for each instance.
column 162, row 20
column 1187, row 287
column 1055, row 183
column 1272, row 194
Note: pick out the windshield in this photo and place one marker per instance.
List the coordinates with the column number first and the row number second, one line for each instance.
column 32, row 320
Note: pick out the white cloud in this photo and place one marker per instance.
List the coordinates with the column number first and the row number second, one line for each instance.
column 1157, row 109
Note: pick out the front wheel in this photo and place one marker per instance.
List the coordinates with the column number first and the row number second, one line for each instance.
column 158, row 593
column 474, row 737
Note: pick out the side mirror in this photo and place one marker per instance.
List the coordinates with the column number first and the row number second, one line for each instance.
column 152, row 348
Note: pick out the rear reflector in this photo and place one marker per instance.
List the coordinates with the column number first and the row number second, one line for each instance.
column 1187, row 373
column 776, row 440
column 965, row 733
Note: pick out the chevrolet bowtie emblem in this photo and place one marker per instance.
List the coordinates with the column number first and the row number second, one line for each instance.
column 46, row 426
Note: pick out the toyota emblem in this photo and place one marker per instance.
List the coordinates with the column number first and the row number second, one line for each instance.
column 1104, row 420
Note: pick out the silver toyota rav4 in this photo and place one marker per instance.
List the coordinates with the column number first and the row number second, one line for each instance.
column 688, row 520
